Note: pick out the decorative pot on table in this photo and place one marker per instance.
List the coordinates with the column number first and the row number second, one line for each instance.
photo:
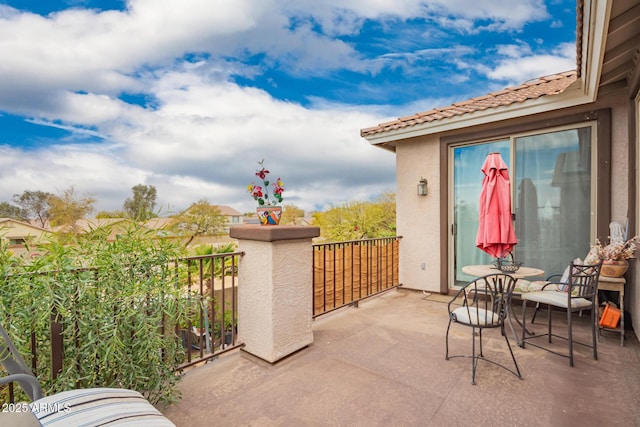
column 614, row 268
column 269, row 215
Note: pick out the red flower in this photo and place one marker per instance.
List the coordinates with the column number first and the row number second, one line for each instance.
column 257, row 191
column 278, row 186
column 262, row 174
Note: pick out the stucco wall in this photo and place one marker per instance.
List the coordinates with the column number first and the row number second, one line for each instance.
column 632, row 289
column 620, row 184
column 620, row 163
column 274, row 299
column 418, row 218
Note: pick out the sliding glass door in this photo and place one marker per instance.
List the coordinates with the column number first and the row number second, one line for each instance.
column 551, row 181
column 467, row 184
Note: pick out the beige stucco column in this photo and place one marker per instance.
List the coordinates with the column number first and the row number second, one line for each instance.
column 275, row 289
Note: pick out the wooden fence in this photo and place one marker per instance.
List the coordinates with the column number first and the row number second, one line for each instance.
column 346, row 272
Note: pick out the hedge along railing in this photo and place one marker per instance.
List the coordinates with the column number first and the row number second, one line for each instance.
column 209, row 300
column 94, row 313
column 347, row 272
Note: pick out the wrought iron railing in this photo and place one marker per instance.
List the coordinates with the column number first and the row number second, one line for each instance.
column 212, row 284
column 347, row 272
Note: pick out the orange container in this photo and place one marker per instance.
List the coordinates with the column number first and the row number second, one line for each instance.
column 610, row 317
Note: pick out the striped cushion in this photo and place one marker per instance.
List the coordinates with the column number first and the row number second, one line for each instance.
column 97, row 407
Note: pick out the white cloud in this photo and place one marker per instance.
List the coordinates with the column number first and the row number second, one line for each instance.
column 516, row 70
column 203, row 142
column 488, row 15
column 203, row 133
column 513, row 50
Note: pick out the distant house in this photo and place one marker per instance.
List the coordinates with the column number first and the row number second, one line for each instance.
column 162, row 226
column 233, row 216
column 18, row 233
column 116, row 226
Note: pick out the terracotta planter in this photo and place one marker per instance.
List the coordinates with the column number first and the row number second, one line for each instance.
column 613, row 268
column 269, row 215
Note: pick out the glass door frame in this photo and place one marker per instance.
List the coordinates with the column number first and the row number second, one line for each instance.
column 595, row 202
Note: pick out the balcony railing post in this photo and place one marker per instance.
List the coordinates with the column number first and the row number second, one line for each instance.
column 274, row 302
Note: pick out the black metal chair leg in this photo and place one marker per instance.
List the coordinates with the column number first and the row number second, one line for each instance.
column 524, row 327
column 549, row 322
column 570, row 336
column 474, row 358
column 446, row 342
column 513, row 357
column 535, row 313
column 594, row 336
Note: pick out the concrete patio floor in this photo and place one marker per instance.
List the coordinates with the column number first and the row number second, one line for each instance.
column 382, row 364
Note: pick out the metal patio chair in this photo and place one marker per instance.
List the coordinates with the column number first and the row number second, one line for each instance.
column 87, row 407
column 574, row 296
column 483, row 303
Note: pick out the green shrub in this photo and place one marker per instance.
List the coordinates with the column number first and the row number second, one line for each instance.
column 117, row 303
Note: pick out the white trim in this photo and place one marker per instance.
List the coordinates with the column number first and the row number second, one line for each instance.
column 571, row 97
column 597, row 14
column 637, row 162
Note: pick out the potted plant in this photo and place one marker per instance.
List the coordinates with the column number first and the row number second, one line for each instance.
column 615, row 256
column 229, row 326
column 268, row 210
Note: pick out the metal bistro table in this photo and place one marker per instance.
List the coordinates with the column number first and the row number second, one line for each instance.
column 523, row 272
column 483, row 270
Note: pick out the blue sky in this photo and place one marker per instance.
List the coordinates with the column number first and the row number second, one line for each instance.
column 188, row 96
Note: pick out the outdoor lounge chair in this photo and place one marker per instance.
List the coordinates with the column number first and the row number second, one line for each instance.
column 483, row 303
column 86, row 407
column 578, row 293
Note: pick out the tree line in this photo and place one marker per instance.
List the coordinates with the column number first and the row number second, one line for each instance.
column 350, row 221
column 69, row 206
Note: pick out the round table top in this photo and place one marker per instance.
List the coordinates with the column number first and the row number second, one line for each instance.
column 483, row 270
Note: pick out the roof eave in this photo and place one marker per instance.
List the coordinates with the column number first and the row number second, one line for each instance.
column 572, row 96
column 597, row 14
column 596, row 17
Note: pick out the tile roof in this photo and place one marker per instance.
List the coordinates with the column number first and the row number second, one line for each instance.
column 228, row 211
column 533, row 89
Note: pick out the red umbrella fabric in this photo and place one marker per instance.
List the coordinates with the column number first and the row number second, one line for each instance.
column 496, row 235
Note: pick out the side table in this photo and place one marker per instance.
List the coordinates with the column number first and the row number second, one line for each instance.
column 615, row 284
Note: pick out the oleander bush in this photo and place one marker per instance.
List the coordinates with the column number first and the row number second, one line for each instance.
column 117, row 304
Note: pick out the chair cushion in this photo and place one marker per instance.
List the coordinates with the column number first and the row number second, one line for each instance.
column 592, row 257
column 565, row 275
column 523, row 286
column 475, row 317
column 97, row 406
column 558, row 299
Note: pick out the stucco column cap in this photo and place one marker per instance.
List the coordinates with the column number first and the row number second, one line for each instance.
column 272, row 233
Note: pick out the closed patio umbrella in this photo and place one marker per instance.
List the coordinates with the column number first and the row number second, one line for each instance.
column 496, row 235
